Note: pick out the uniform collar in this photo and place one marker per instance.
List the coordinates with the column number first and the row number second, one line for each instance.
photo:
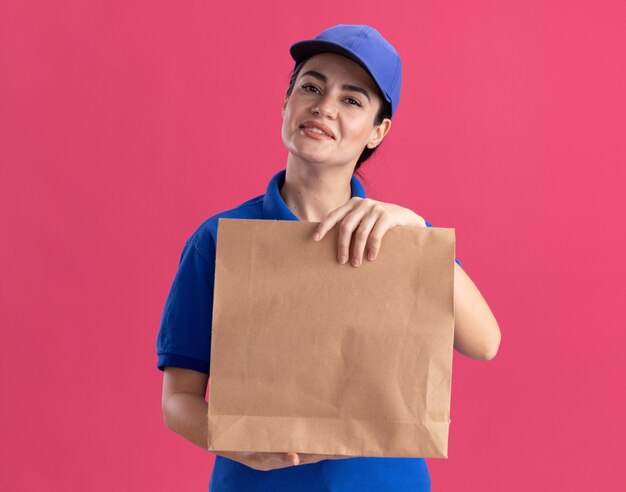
column 274, row 207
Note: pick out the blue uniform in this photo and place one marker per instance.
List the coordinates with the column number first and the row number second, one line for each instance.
column 184, row 340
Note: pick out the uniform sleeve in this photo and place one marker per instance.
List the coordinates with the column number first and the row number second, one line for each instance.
column 428, row 224
column 184, row 338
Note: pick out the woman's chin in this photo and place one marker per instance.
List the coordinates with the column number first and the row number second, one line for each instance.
column 314, row 157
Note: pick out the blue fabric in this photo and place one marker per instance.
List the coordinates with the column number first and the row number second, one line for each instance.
column 184, row 340
column 343, row 475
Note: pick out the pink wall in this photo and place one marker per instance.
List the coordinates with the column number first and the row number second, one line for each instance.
column 123, row 125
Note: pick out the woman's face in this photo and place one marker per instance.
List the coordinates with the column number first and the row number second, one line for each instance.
column 337, row 94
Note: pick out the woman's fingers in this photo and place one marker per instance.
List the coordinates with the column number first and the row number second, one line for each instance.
column 306, row 458
column 273, row 461
column 365, row 230
column 362, row 223
column 349, row 233
column 347, row 227
column 357, row 218
column 374, row 241
column 335, row 216
column 293, row 458
column 362, row 235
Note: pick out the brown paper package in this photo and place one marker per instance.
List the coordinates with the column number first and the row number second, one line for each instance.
column 312, row 356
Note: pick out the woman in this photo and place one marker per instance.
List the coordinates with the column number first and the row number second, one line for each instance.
column 337, row 110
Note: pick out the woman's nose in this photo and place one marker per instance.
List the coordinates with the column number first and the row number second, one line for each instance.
column 325, row 106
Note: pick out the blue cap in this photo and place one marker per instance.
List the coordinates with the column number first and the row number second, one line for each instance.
column 366, row 46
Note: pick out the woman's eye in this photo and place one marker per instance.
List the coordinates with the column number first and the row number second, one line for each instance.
column 353, row 101
column 310, row 88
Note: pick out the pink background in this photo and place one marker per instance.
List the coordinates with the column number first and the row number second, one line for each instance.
column 123, row 125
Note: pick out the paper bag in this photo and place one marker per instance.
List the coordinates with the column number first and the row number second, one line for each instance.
column 312, row 356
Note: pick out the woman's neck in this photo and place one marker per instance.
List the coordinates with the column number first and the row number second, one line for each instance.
column 311, row 193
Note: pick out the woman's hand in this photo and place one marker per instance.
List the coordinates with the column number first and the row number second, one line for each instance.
column 273, row 461
column 367, row 220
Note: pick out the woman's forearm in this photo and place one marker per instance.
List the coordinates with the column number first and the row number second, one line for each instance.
column 187, row 415
column 476, row 331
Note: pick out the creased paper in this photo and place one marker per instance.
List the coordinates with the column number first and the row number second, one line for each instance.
column 312, row 356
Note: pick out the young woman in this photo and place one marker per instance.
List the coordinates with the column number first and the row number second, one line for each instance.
column 343, row 92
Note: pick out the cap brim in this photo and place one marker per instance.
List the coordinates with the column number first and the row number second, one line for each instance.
column 305, row 49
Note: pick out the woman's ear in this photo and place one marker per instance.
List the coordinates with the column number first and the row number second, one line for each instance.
column 379, row 133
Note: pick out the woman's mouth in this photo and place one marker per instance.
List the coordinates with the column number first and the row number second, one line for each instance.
column 315, row 133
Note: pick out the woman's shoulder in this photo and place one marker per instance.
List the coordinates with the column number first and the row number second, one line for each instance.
column 205, row 236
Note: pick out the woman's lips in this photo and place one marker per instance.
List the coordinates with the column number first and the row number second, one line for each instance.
column 315, row 135
column 317, row 125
